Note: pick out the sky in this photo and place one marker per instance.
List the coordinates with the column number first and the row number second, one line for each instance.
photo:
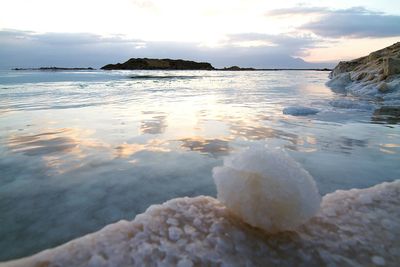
column 247, row 33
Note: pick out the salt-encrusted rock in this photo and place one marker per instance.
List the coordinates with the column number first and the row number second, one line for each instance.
column 375, row 75
column 383, row 87
column 391, row 66
column 353, row 228
column 267, row 189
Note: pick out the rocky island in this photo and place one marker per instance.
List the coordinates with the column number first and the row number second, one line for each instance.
column 236, row 68
column 158, row 64
column 376, row 75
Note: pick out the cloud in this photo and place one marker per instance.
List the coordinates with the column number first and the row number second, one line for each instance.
column 355, row 22
column 307, row 10
column 145, row 4
column 66, row 39
column 297, row 10
column 295, row 46
column 30, row 49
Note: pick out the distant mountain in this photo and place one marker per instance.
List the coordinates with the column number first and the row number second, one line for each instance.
column 158, row 64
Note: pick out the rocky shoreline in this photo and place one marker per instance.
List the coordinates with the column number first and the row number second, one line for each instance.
column 376, row 75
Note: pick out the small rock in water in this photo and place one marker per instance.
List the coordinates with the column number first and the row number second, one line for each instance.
column 185, row 263
column 300, row 111
column 383, row 87
column 378, row 260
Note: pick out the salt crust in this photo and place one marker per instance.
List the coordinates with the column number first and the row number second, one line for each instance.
column 353, row 228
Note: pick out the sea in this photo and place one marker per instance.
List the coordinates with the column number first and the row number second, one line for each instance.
column 83, row 149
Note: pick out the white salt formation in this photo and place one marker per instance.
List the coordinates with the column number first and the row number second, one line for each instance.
column 267, row 189
column 375, row 75
column 352, row 228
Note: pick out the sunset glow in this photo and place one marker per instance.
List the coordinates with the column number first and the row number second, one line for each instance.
column 310, row 30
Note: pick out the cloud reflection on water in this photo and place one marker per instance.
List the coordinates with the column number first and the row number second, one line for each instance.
column 62, row 149
column 126, row 150
column 155, row 125
column 66, row 149
column 214, row 147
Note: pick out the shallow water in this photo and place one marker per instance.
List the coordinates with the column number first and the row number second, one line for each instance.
column 82, row 149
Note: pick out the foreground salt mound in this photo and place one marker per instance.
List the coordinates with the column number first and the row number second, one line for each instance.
column 376, row 75
column 267, row 189
column 353, row 228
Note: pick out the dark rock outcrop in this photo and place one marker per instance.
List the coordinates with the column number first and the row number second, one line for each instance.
column 380, row 64
column 236, row 68
column 158, row 64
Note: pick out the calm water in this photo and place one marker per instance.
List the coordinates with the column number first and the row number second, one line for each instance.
column 80, row 150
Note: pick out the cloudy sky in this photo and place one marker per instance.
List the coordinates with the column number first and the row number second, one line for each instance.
column 256, row 33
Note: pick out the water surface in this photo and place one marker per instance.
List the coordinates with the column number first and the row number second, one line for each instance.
column 82, row 149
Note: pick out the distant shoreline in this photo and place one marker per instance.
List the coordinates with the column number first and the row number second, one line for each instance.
column 180, row 64
column 49, row 69
column 53, row 68
column 168, row 64
column 278, row 69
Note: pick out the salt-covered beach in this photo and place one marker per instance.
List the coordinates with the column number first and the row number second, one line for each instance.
column 353, row 228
